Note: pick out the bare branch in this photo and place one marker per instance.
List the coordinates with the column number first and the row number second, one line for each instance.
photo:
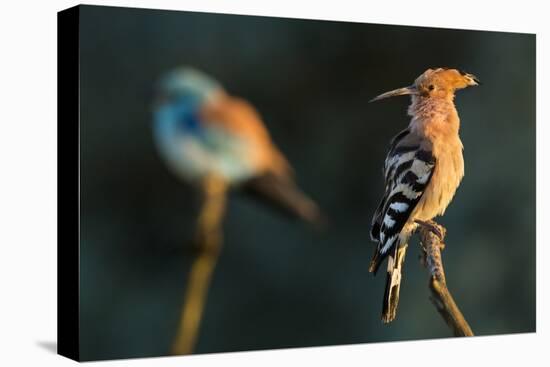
column 209, row 241
column 432, row 244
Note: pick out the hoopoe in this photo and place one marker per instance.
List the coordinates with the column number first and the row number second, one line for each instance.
column 201, row 130
column 422, row 170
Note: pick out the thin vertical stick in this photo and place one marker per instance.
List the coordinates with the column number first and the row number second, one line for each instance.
column 209, row 241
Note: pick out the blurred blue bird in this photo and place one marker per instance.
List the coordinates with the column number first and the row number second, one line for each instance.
column 200, row 130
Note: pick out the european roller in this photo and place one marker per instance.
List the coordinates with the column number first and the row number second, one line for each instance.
column 201, row 130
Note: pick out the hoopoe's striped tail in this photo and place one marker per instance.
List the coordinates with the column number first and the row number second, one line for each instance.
column 393, row 283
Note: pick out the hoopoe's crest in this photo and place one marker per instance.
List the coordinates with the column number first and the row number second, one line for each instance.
column 422, row 170
column 442, row 82
column 201, row 130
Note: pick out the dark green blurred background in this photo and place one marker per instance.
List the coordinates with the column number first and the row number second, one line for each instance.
column 279, row 284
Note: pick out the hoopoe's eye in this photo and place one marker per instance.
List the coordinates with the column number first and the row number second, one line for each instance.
column 431, row 87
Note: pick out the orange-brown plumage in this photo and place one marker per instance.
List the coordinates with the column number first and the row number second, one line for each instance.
column 239, row 118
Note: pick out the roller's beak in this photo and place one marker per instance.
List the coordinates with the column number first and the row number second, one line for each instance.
column 396, row 92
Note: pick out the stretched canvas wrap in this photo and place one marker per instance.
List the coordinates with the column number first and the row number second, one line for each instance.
column 225, row 184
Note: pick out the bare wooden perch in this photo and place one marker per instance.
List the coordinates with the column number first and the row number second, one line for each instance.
column 431, row 237
column 209, row 240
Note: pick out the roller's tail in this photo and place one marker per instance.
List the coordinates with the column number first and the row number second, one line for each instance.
column 283, row 194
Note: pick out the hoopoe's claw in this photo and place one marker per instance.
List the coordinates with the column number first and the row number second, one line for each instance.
column 432, row 227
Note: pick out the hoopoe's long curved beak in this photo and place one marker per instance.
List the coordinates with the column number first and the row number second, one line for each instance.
column 396, row 92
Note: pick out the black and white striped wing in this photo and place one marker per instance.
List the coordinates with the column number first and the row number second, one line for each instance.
column 389, row 166
column 408, row 171
column 411, row 176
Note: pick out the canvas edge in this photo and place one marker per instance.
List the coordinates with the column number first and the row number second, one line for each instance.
column 68, row 187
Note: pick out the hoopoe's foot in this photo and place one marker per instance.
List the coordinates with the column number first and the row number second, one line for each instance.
column 433, row 227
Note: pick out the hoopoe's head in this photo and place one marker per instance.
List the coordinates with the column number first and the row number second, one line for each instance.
column 435, row 83
column 187, row 86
